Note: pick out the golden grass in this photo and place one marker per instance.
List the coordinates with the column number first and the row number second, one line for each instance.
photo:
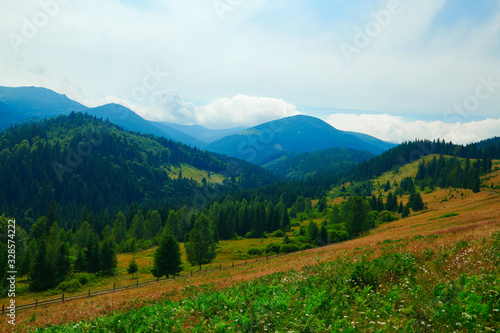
column 479, row 217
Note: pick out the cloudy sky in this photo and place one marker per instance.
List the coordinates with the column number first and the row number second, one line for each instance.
column 395, row 69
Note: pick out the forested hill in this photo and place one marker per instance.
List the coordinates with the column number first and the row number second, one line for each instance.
column 408, row 152
column 328, row 162
column 87, row 164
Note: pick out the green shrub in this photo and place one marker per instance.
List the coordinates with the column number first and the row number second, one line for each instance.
column 84, row 278
column 337, row 236
column 272, row 248
column 278, row 233
column 362, row 275
column 147, row 244
column 254, row 252
column 70, row 286
column 386, row 216
column 307, row 246
column 289, row 248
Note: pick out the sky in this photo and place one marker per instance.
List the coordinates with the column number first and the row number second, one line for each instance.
column 394, row 69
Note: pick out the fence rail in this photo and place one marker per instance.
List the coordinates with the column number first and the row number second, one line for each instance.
column 138, row 284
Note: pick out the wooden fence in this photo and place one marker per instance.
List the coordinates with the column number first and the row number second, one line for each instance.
column 90, row 293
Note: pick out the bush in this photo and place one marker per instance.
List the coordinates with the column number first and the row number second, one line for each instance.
column 289, row 248
column 70, row 286
column 295, row 224
column 249, row 234
column 307, row 246
column 272, row 248
column 362, row 275
column 386, row 216
column 254, row 252
column 278, row 233
column 337, row 236
column 146, row 244
column 84, row 278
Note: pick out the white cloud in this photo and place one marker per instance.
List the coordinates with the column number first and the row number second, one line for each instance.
column 397, row 129
column 241, row 110
column 287, row 49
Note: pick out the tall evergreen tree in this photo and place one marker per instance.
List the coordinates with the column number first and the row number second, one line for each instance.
column 167, row 258
column 92, row 257
column 41, row 273
column 119, row 227
column 200, row 248
column 108, row 257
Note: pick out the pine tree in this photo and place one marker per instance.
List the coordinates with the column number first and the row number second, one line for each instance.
column 41, row 274
column 119, row 228
column 323, row 236
column 63, row 265
column 167, row 257
column 81, row 262
column 200, row 248
column 285, row 222
column 92, row 254
column 132, row 266
column 406, row 211
column 312, row 232
column 108, row 259
column 417, row 204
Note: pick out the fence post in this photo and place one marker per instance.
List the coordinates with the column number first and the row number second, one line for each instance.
column 191, row 272
column 3, row 309
column 137, row 285
column 114, row 286
column 63, row 298
column 89, row 292
column 36, row 302
column 221, row 267
column 174, row 277
column 233, row 264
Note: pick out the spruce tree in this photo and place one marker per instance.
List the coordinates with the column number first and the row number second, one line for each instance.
column 108, row 257
column 41, row 274
column 132, row 266
column 167, row 257
column 200, row 248
column 119, row 227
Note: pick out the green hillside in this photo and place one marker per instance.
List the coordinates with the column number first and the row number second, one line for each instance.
column 331, row 161
column 83, row 162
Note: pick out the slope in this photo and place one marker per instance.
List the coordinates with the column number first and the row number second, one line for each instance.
column 204, row 134
column 80, row 161
column 326, row 162
column 38, row 102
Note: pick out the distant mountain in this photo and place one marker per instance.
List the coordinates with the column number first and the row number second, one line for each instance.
column 129, row 120
column 38, row 102
column 298, row 134
column 19, row 104
column 9, row 116
column 205, row 134
column 329, row 162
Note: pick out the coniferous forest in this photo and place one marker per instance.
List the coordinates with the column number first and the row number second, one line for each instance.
column 83, row 190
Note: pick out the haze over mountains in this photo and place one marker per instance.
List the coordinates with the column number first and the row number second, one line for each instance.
column 269, row 145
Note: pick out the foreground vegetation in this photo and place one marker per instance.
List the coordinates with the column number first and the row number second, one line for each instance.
column 456, row 288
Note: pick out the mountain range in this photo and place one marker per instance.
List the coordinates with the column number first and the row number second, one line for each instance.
column 269, row 145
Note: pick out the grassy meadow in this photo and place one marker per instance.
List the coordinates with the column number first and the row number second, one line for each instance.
column 436, row 271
